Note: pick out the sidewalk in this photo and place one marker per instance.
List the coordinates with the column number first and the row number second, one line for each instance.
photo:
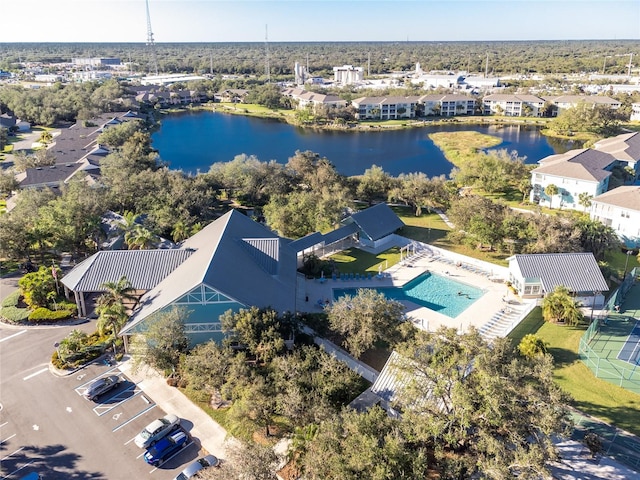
column 206, row 431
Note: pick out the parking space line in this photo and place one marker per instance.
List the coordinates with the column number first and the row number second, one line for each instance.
column 3, row 424
column 103, row 409
column 11, row 336
column 16, row 471
column 133, row 418
column 4, row 458
column 45, row 369
column 8, row 438
column 174, row 455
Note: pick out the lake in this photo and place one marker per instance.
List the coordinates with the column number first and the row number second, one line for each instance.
column 192, row 142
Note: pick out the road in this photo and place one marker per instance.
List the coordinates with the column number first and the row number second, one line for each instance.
column 47, row 426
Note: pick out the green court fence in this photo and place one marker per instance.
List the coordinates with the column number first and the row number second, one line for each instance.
column 605, row 364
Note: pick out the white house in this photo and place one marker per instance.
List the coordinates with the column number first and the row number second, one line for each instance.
column 513, row 105
column 534, row 276
column 620, row 209
column 582, row 171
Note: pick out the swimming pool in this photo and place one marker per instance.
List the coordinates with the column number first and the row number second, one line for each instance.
column 440, row 294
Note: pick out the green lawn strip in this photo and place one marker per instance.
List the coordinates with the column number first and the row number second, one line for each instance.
column 616, row 259
column 354, row 260
column 462, row 147
column 591, row 395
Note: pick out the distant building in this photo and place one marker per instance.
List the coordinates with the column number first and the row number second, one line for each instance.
column 385, row 108
column 564, row 102
column 448, row 105
column 635, row 112
column 348, row 75
column 513, row 105
column 300, row 74
column 94, row 62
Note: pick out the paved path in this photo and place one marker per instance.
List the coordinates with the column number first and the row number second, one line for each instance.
column 211, row 435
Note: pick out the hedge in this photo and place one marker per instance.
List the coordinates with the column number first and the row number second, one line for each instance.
column 42, row 314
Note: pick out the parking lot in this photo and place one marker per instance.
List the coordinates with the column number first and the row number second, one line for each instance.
column 48, row 426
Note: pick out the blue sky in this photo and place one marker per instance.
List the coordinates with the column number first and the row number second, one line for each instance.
column 317, row 20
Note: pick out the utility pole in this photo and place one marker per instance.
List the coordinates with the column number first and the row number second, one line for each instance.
column 369, row 64
column 486, row 66
column 150, row 42
column 630, row 59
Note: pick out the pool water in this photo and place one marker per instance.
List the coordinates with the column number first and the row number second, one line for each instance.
column 440, row 294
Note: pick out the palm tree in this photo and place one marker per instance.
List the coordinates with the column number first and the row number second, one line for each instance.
column 117, row 293
column 111, row 318
column 180, row 231
column 559, row 306
column 139, row 238
column 551, row 190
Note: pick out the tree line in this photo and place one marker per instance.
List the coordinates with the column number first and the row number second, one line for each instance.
column 523, row 57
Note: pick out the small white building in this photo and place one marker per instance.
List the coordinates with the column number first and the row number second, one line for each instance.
column 620, row 209
column 536, row 275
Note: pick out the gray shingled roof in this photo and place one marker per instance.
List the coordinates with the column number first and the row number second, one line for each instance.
column 377, row 221
column 582, row 164
column 579, row 272
column 623, row 147
column 47, row 175
column 626, row 196
column 143, row 268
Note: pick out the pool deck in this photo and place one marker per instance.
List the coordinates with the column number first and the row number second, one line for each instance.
column 496, row 300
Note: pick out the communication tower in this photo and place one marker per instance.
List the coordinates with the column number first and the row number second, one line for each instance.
column 150, row 42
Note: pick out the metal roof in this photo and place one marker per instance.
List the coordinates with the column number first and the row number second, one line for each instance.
column 378, row 221
column 143, row 268
column 339, row 233
column 307, row 241
column 236, row 256
column 579, row 272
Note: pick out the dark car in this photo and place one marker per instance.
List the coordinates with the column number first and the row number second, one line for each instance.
column 101, row 386
column 166, row 447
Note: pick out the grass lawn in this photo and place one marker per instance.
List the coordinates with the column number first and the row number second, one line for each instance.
column 354, row 260
column 590, row 394
column 461, row 147
column 617, row 260
column 251, row 109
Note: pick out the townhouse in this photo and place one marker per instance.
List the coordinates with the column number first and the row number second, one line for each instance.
column 512, row 105
column 576, row 172
column 620, row 209
column 447, row 105
column 305, row 99
column 564, row 102
column 385, row 108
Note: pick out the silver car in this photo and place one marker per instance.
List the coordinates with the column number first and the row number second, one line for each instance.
column 195, row 467
column 100, row 386
column 156, row 430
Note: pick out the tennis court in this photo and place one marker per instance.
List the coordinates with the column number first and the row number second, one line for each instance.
column 611, row 349
column 630, row 351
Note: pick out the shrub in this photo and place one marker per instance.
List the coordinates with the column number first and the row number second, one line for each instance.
column 45, row 315
column 14, row 314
